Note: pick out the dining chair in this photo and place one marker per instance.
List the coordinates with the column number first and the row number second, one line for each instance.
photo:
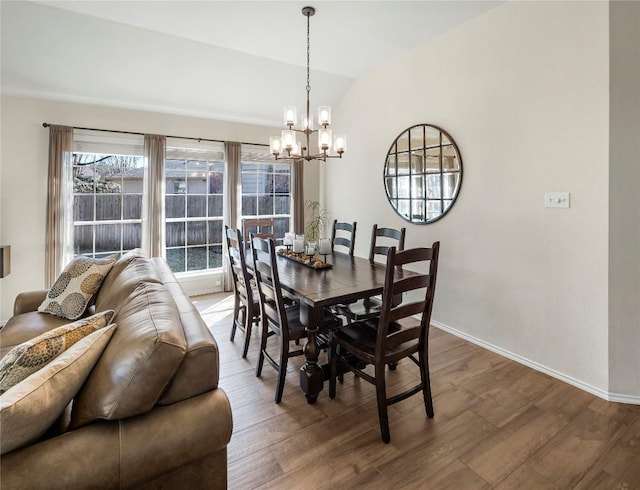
column 344, row 235
column 276, row 318
column 246, row 307
column 382, row 239
column 396, row 334
column 263, row 227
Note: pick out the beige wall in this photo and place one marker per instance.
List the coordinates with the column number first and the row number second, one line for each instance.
column 624, row 199
column 23, row 171
column 524, row 92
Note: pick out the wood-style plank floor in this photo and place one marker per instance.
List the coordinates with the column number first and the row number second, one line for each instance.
column 497, row 424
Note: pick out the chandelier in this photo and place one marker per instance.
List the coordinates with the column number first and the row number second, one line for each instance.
column 287, row 146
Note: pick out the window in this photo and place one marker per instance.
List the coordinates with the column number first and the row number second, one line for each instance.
column 107, row 194
column 266, row 188
column 194, row 178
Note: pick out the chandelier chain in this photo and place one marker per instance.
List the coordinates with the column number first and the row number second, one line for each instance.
column 308, row 49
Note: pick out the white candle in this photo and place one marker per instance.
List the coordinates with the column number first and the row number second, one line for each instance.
column 325, row 246
column 311, row 248
column 298, row 245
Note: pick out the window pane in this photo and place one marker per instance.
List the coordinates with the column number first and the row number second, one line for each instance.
column 83, row 239
column 108, row 238
column 175, row 259
column 215, row 205
column 175, row 234
column 131, row 236
column 282, row 184
column 215, row 231
column 175, row 206
column 265, row 205
column 282, row 226
column 249, row 205
column 108, row 207
column 282, row 204
column 83, row 207
column 196, row 206
column 196, row 258
column 196, row 232
column 216, row 182
column 215, row 256
column 132, row 206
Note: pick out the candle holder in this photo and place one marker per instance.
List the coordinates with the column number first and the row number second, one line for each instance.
column 324, row 248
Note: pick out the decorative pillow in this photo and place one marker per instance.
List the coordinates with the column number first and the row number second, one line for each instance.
column 32, row 355
column 80, row 280
column 29, row 408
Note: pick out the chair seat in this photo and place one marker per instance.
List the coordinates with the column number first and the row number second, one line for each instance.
column 361, row 310
column 361, row 337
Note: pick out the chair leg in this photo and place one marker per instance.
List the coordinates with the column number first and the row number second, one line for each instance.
column 248, row 324
column 333, row 362
column 282, row 371
column 381, row 395
column 236, row 313
column 393, row 366
column 263, row 346
column 426, row 384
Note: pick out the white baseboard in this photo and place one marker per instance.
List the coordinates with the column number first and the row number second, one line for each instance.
column 612, row 397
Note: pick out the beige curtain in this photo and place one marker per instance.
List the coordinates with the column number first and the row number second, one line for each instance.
column 232, row 197
column 298, row 196
column 153, row 232
column 59, row 236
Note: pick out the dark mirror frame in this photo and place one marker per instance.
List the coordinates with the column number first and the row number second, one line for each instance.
column 423, row 173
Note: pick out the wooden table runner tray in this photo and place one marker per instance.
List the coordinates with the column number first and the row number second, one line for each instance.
column 316, row 264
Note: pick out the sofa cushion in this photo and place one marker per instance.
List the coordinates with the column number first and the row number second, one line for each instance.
column 128, row 271
column 73, row 290
column 198, row 373
column 139, row 362
column 30, row 407
column 32, row 355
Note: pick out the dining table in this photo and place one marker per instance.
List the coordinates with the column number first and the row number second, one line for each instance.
column 345, row 279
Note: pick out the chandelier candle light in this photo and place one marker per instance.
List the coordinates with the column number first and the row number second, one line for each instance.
column 287, row 142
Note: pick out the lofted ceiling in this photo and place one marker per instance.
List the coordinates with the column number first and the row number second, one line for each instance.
column 230, row 60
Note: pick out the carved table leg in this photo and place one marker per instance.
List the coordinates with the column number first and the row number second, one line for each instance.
column 310, row 373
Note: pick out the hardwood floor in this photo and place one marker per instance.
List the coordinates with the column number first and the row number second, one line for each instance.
column 497, row 424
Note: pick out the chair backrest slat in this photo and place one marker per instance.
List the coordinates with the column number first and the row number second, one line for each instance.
column 347, row 239
column 382, row 239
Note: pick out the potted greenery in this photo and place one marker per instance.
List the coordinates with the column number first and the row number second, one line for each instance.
column 316, row 223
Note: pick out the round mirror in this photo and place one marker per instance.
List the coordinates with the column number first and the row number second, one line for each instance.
column 423, row 173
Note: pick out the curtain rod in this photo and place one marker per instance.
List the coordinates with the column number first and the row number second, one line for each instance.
column 46, row 125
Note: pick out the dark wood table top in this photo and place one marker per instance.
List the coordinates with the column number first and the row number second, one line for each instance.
column 350, row 278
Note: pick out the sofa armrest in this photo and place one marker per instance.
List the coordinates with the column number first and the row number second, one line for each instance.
column 126, row 453
column 29, row 301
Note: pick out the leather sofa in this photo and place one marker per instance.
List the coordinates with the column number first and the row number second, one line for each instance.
column 150, row 413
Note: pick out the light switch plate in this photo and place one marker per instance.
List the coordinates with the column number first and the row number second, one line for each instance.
column 556, row 200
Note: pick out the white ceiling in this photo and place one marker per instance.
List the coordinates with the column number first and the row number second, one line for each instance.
column 230, row 60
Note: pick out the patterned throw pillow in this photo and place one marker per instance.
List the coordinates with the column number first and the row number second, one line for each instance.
column 79, row 281
column 30, row 408
column 32, row 355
